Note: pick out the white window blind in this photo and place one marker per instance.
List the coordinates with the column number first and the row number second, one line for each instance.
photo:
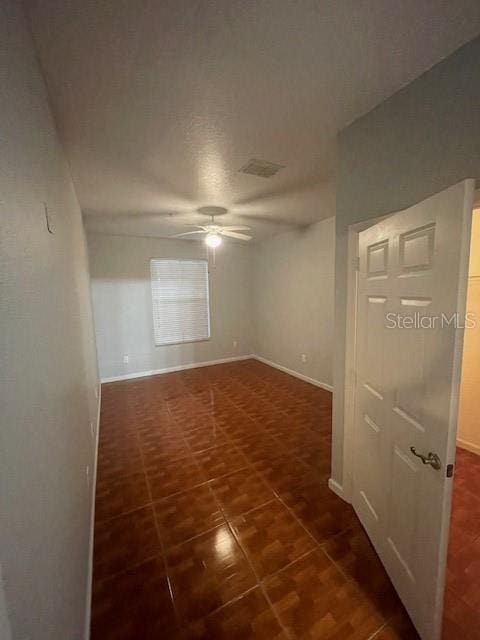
column 180, row 300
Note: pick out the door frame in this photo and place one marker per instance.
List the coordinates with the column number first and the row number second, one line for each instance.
column 351, row 350
column 349, row 399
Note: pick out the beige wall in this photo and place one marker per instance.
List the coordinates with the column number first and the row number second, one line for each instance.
column 468, row 435
column 423, row 139
column 120, row 272
column 293, row 293
column 474, row 264
column 48, row 373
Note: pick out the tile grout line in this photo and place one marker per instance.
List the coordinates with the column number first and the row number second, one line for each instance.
column 260, row 430
column 248, row 511
column 289, row 564
column 182, row 623
column 316, row 545
column 192, row 452
column 376, row 633
column 131, row 567
column 124, row 513
column 319, row 547
column 160, row 538
column 150, row 504
column 226, row 604
column 260, row 583
column 264, row 430
column 460, row 597
column 387, row 619
column 271, row 403
column 227, row 523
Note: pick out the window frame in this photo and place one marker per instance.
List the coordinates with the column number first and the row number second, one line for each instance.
column 209, row 321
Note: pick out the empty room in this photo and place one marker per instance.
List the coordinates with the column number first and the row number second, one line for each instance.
column 239, row 259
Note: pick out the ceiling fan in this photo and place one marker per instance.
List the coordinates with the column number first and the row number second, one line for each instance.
column 214, row 232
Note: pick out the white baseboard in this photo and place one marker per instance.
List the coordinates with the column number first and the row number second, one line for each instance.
column 182, row 367
column 296, row 374
column 337, row 488
column 208, row 363
column 469, row 446
column 92, row 519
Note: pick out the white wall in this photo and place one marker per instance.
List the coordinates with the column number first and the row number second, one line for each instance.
column 48, row 373
column 423, row 139
column 120, row 272
column 294, row 293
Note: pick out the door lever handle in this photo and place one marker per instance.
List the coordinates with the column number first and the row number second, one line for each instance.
column 432, row 459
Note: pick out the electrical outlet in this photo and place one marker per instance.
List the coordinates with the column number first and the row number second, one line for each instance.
column 304, row 357
column 87, row 473
column 125, row 359
column 235, row 343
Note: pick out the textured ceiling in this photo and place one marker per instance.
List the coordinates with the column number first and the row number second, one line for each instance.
column 160, row 103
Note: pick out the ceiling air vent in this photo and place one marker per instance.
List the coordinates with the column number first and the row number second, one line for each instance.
column 261, row 168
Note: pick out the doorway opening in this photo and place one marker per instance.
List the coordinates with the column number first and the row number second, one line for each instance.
column 462, row 585
column 402, row 391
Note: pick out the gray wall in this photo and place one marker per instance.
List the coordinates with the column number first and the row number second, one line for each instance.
column 274, row 298
column 120, row 271
column 293, row 292
column 423, row 139
column 5, row 631
column 48, row 373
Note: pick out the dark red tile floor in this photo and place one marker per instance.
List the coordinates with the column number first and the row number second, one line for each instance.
column 462, row 594
column 214, row 519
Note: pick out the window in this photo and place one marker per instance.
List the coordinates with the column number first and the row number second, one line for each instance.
column 181, row 310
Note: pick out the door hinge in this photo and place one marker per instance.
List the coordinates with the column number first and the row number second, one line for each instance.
column 356, row 263
column 450, row 468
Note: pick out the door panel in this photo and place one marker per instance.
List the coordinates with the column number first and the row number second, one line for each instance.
column 407, row 374
column 402, row 526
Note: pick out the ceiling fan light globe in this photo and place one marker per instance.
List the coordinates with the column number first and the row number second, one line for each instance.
column 213, row 240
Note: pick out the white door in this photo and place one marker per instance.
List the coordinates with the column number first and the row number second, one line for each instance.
column 413, row 268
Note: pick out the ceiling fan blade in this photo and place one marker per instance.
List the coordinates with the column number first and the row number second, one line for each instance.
column 264, row 219
column 197, row 226
column 236, row 228
column 187, row 233
column 234, row 234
